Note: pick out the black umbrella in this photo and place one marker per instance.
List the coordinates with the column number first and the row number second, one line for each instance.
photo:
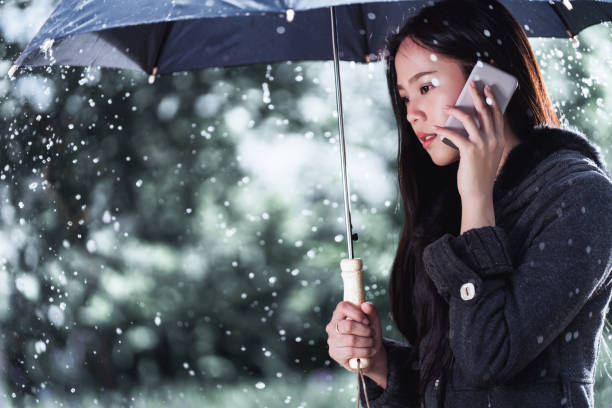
column 161, row 37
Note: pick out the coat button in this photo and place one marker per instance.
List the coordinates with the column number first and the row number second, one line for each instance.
column 467, row 291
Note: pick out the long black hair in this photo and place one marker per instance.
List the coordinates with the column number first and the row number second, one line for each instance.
column 466, row 31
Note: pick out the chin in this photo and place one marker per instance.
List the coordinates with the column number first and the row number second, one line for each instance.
column 443, row 155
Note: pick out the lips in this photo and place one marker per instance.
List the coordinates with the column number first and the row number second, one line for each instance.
column 422, row 136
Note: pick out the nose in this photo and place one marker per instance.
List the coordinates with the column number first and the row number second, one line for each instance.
column 414, row 113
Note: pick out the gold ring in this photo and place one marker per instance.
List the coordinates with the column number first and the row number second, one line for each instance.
column 337, row 330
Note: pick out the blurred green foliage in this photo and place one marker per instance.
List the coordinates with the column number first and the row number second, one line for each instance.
column 178, row 244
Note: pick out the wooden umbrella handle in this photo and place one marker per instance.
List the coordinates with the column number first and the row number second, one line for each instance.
column 353, row 292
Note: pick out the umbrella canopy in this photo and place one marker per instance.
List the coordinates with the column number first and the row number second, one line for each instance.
column 179, row 35
column 169, row 36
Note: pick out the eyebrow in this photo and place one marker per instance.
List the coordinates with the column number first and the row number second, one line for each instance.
column 415, row 77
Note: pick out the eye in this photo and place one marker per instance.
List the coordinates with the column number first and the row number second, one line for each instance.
column 425, row 88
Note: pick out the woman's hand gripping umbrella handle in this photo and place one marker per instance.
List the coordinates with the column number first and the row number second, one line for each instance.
column 353, row 292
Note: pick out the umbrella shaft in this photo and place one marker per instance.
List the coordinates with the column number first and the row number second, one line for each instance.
column 347, row 204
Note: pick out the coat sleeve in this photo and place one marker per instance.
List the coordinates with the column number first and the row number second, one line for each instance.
column 508, row 314
column 402, row 377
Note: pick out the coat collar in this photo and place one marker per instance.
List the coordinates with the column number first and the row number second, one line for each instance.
column 542, row 142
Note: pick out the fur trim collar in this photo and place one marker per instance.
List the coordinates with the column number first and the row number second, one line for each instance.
column 536, row 147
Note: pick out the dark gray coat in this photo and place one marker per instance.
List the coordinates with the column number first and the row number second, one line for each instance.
column 526, row 330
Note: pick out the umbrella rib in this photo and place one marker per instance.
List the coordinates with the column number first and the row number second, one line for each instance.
column 364, row 23
column 153, row 69
column 563, row 20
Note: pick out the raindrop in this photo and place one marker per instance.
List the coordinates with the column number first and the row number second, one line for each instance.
column 91, row 246
column 260, row 385
column 138, row 183
column 372, row 16
column 435, row 82
column 487, row 33
column 280, row 30
column 433, row 57
column 542, row 246
column 40, row 347
column 568, row 336
column 540, row 339
column 106, row 217
column 339, row 238
column 588, row 249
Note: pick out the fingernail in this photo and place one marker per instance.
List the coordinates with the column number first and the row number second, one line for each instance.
column 449, row 143
column 446, row 107
column 436, row 127
column 473, row 84
column 487, row 88
column 373, row 351
column 365, row 321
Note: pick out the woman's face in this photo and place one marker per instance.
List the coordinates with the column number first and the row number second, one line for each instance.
column 426, row 82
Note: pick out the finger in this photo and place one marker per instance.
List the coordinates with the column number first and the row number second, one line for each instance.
column 467, row 121
column 482, row 109
column 347, row 340
column 346, row 309
column 355, row 328
column 344, row 354
column 452, row 138
column 370, row 310
column 498, row 116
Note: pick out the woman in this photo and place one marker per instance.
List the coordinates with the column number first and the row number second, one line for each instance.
column 501, row 279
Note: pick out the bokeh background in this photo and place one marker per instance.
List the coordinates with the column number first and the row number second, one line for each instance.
column 178, row 244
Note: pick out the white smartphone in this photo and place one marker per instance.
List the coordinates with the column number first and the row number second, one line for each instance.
column 502, row 84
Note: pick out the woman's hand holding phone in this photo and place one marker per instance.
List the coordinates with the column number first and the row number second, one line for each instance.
column 480, row 153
